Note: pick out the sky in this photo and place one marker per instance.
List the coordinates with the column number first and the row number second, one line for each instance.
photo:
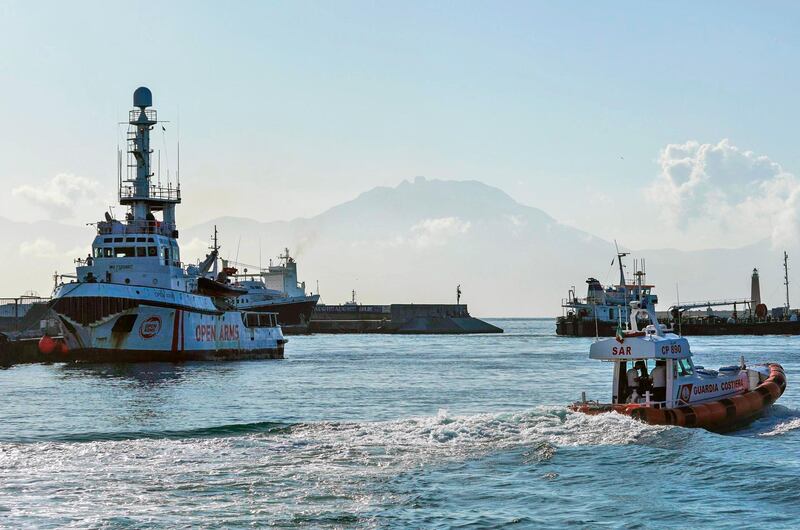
column 663, row 124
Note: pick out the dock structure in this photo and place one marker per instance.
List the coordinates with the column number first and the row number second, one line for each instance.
column 444, row 319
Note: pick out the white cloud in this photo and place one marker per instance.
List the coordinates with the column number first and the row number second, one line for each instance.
column 42, row 247
column 38, row 248
column 63, row 195
column 194, row 251
column 435, row 232
column 722, row 195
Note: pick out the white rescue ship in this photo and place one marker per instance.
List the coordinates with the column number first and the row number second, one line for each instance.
column 132, row 300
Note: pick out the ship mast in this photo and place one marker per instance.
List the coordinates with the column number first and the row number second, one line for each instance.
column 136, row 190
column 620, row 255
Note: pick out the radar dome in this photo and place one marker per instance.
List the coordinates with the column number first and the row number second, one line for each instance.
column 142, row 97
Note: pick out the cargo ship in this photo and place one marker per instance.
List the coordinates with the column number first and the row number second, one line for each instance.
column 132, row 300
column 275, row 289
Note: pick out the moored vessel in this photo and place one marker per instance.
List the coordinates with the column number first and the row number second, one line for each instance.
column 276, row 289
column 599, row 313
column 656, row 381
column 132, row 300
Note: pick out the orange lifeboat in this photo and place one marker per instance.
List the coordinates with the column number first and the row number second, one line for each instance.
column 720, row 415
column 656, row 381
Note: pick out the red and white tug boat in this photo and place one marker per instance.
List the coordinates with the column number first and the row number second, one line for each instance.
column 655, row 381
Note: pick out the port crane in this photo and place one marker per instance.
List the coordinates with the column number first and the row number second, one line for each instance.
column 711, row 303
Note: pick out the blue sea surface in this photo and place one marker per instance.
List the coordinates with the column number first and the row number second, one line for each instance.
column 370, row 431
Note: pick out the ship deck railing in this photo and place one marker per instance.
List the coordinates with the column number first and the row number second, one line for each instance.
column 136, row 227
column 150, row 114
column 168, row 193
column 569, row 302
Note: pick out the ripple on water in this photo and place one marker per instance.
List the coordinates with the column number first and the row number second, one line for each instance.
column 345, row 433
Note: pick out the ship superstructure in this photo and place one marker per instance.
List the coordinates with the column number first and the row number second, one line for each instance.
column 276, row 289
column 131, row 298
column 605, row 307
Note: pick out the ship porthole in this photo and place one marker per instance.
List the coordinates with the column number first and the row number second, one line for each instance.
column 127, row 280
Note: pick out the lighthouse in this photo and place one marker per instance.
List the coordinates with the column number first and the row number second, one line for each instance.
column 755, row 289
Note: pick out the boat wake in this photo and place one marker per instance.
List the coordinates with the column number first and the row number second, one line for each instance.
column 284, row 468
column 780, row 420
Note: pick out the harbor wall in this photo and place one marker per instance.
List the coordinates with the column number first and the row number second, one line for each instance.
column 398, row 319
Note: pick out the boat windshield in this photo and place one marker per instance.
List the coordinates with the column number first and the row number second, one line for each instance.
column 682, row 367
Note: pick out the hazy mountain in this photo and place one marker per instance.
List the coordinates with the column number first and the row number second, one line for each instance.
column 417, row 241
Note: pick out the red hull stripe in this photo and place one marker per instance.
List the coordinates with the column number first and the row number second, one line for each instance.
column 175, row 329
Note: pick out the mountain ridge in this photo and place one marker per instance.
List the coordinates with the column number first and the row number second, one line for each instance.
column 415, row 242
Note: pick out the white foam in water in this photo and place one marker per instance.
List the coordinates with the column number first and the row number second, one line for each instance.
column 783, row 428
column 327, row 465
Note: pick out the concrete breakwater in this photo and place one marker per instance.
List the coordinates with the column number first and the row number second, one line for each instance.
column 398, row 318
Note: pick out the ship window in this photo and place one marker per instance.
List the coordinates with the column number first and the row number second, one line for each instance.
column 149, row 239
column 108, row 252
column 141, row 240
column 124, row 252
column 117, row 240
column 130, row 239
column 141, row 252
column 684, row 368
column 98, row 253
column 152, row 251
column 166, row 256
column 107, row 240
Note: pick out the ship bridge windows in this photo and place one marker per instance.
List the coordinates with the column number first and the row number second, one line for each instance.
column 124, row 252
column 260, row 320
column 139, row 251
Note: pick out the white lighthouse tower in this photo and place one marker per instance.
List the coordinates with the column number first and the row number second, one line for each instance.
column 755, row 289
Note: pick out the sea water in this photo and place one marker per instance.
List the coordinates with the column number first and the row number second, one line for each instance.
column 371, row 431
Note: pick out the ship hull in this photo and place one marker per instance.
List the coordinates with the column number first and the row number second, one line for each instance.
column 126, row 329
column 290, row 312
column 586, row 328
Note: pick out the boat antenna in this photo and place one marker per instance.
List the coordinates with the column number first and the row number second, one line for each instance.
column 680, row 315
column 786, row 280
column 178, row 135
column 215, row 249
column 238, row 245
column 620, row 255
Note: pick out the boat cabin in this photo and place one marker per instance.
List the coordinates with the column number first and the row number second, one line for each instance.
column 124, row 256
column 656, row 370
